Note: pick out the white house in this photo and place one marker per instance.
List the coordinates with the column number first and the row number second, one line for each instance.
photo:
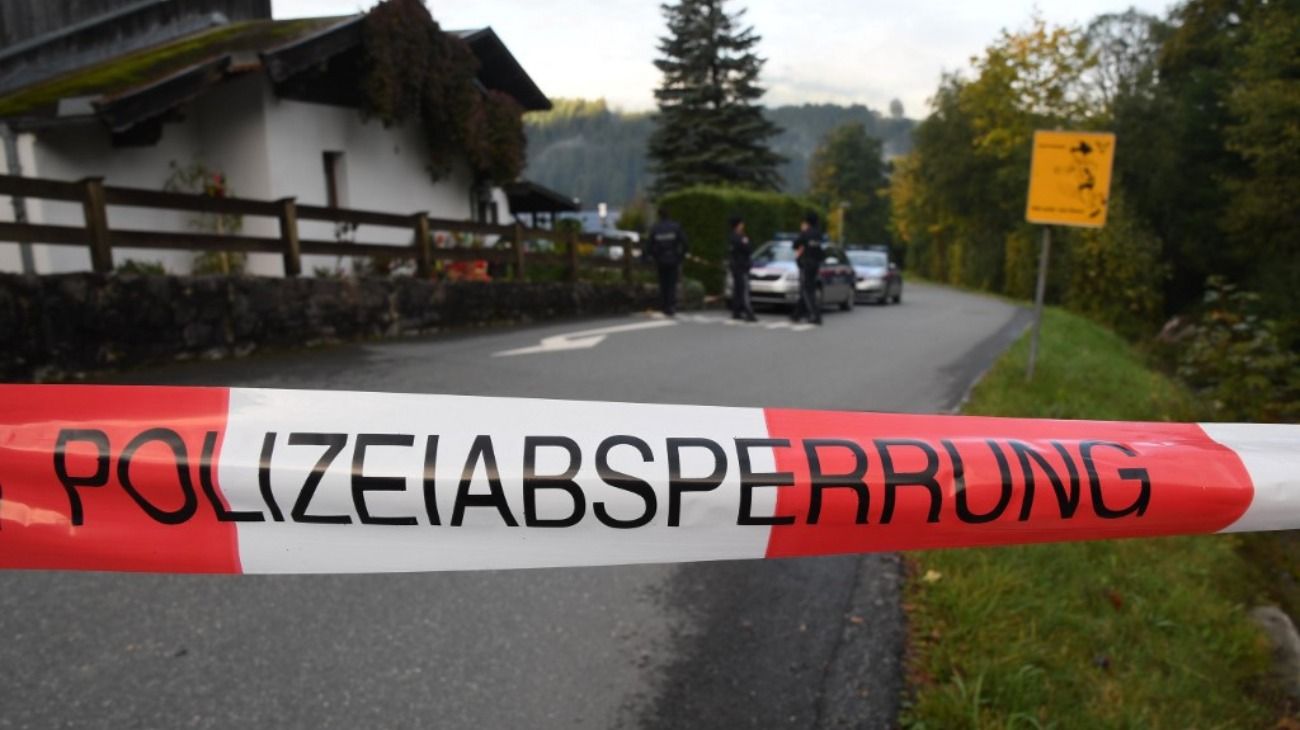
column 271, row 104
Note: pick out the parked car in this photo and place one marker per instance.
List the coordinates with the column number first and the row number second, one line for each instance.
column 613, row 242
column 774, row 277
column 877, row 278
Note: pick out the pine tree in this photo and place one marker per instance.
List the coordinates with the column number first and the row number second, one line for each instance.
column 710, row 129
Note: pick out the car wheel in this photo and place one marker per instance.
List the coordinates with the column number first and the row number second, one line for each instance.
column 898, row 297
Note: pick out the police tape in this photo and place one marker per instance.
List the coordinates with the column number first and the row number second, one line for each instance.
column 216, row 480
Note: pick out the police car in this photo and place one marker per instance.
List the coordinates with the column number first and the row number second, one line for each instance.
column 877, row 278
column 774, row 276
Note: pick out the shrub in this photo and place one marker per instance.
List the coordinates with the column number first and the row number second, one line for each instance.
column 1115, row 275
column 1237, row 361
column 142, row 268
column 703, row 213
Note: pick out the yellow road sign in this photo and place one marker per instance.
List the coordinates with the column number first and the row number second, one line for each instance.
column 1069, row 178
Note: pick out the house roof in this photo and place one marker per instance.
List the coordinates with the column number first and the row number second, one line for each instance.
column 526, row 196
column 499, row 69
column 108, row 80
column 142, row 86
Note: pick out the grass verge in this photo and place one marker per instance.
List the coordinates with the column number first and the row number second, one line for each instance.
column 1131, row 634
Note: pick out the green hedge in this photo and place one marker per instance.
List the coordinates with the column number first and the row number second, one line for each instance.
column 703, row 213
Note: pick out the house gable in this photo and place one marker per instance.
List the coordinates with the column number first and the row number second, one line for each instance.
column 315, row 59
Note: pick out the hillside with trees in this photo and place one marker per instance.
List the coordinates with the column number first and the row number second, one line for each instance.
column 585, row 148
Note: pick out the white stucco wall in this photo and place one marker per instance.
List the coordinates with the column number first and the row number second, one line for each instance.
column 10, row 253
column 383, row 169
column 268, row 148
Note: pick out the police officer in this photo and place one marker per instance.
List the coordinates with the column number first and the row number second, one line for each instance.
column 741, row 257
column 808, row 257
column 668, row 249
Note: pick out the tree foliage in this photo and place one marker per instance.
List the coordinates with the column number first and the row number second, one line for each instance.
column 710, row 129
column 588, row 150
column 1204, row 105
column 847, row 170
column 1264, row 100
column 962, row 215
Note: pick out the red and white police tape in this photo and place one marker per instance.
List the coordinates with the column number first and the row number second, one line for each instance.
column 216, row 480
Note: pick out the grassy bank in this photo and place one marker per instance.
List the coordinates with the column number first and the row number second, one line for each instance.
column 1132, row 633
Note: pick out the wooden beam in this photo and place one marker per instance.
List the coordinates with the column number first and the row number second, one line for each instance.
column 519, row 252
column 423, row 247
column 289, row 237
column 35, row 187
column 96, row 215
column 144, row 198
column 38, row 233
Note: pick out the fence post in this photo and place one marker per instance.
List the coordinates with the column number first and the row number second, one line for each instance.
column 423, row 244
column 289, row 236
column 627, row 262
column 92, row 203
column 573, row 256
column 519, row 252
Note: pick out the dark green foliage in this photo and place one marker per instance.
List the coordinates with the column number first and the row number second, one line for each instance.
column 803, row 128
column 1115, row 275
column 703, row 213
column 1237, row 360
column 597, row 154
column 710, row 129
column 1176, row 131
column 415, row 71
column 584, row 149
column 847, row 170
column 1265, row 102
column 140, row 268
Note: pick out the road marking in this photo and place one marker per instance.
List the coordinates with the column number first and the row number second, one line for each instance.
column 584, row 339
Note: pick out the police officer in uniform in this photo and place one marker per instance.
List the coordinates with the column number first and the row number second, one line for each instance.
column 808, row 253
column 741, row 255
column 668, row 249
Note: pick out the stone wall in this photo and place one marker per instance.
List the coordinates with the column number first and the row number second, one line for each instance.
column 59, row 325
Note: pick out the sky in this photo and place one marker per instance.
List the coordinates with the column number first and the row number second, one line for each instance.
column 841, row 51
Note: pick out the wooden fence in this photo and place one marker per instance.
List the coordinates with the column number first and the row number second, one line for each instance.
column 100, row 238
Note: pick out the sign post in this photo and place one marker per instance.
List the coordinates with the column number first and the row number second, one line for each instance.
column 1069, row 185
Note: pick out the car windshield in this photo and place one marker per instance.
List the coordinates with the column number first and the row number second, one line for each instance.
column 774, row 251
column 868, row 258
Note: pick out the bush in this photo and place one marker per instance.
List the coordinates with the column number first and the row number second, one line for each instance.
column 142, row 268
column 1236, row 360
column 703, row 213
column 1115, row 276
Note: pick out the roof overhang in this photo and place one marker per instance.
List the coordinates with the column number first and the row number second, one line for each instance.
column 526, row 196
column 295, row 67
column 500, row 70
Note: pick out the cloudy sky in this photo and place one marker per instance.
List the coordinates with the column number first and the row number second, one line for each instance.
column 845, row 51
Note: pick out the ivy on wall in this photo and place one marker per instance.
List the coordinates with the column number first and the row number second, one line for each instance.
column 415, row 71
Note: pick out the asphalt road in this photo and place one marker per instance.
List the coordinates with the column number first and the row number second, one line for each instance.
column 791, row 643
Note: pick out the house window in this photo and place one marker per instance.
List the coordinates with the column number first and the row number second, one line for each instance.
column 335, row 180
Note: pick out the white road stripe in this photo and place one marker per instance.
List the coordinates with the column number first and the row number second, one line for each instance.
column 583, row 339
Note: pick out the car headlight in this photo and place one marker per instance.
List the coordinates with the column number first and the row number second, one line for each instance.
column 790, row 276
